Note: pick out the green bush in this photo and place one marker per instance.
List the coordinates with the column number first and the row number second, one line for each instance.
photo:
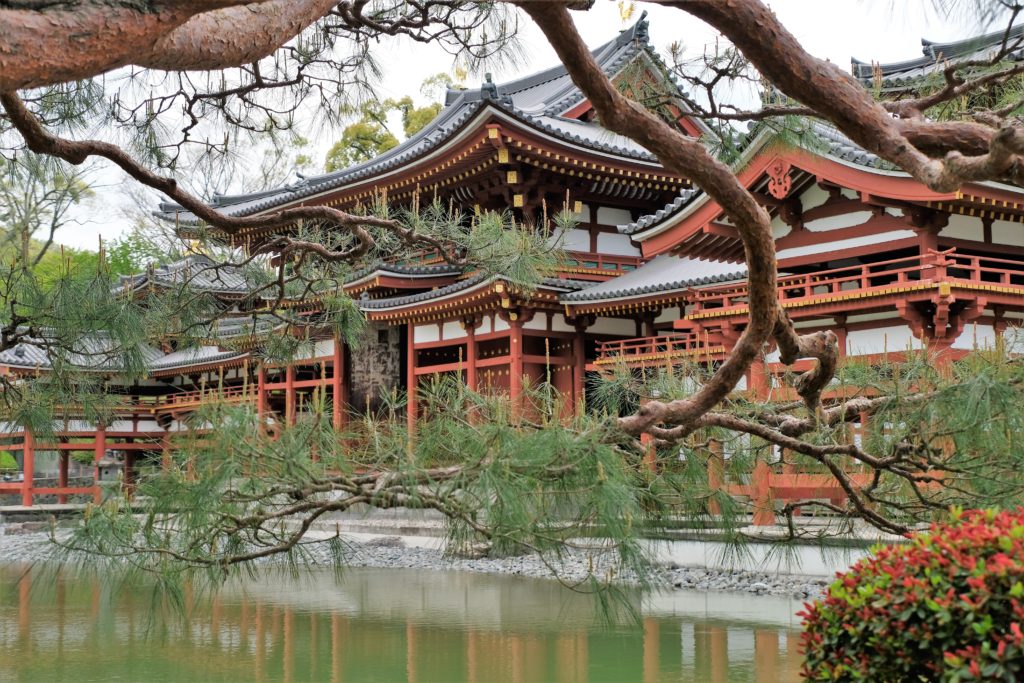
column 7, row 462
column 949, row 606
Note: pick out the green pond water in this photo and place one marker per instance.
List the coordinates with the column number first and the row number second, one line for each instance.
column 386, row 625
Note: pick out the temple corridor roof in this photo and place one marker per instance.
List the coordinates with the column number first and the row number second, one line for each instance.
column 663, row 273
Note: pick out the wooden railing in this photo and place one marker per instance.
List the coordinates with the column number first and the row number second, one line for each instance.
column 933, row 267
column 825, row 282
column 609, row 263
column 953, row 266
column 654, row 348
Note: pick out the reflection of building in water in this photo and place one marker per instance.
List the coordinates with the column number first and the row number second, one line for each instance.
column 52, row 625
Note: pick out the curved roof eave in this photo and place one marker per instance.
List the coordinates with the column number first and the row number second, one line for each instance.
column 466, row 129
column 691, row 200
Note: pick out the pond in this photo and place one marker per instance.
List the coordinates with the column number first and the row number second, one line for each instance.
column 386, row 625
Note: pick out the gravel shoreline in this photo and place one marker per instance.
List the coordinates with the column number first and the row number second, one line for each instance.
column 391, row 552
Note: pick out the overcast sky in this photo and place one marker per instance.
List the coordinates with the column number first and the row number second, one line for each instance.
column 881, row 30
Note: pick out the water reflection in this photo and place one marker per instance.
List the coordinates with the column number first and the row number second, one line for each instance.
column 386, row 625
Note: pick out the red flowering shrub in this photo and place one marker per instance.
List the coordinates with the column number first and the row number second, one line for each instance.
column 949, row 606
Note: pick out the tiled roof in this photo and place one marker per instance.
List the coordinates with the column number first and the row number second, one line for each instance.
column 197, row 271
column 827, row 141
column 664, row 273
column 98, row 352
column 936, row 56
column 368, row 304
column 537, row 100
column 403, row 270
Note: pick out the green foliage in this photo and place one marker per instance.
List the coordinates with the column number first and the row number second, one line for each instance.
column 360, row 141
column 948, row 606
column 7, row 462
column 133, row 252
column 369, row 136
column 507, row 481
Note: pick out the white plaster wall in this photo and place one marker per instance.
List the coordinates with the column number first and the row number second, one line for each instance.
column 845, row 220
column 846, row 244
column 558, row 324
column 780, row 228
column 426, row 333
column 574, row 239
column 607, row 215
column 538, row 322
column 614, row 243
column 1005, row 232
column 127, row 426
column 668, row 315
column 453, row 330
column 324, row 347
column 976, row 337
column 626, row 328
column 813, row 197
column 895, row 338
column 499, row 324
column 1013, row 338
column 485, row 325
column 866, row 317
column 963, row 228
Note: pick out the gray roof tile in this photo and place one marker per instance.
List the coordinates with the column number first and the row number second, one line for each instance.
column 537, row 100
column 833, row 143
column 663, row 273
column 936, row 56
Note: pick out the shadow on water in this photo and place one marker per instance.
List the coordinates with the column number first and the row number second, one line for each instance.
column 387, row 625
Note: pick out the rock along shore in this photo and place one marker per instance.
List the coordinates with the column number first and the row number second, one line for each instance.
column 29, row 543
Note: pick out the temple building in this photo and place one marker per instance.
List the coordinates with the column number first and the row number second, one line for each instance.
column 653, row 274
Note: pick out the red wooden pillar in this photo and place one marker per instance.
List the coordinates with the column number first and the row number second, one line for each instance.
column 579, row 370
column 411, row 672
column 28, row 457
column 515, row 354
column 338, row 394
column 766, row 656
column 410, row 380
column 99, row 450
column 764, row 511
column 758, row 381
column 289, row 394
column 129, row 469
column 471, row 353
column 652, row 654
column 62, row 473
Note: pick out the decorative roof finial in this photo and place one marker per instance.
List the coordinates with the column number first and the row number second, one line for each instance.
column 642, row 27
column 489, row 90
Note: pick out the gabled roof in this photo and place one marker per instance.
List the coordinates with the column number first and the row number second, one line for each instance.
column 538, row 101
column 825, row 140
column 662, row 274
column 937, row 56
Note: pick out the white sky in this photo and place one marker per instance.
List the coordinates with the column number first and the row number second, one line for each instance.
column 881, row 30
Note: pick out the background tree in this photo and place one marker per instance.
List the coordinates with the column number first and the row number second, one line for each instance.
column 369, row 136
column 305, row 56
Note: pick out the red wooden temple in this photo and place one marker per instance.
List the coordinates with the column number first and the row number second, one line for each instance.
column 654, row 273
